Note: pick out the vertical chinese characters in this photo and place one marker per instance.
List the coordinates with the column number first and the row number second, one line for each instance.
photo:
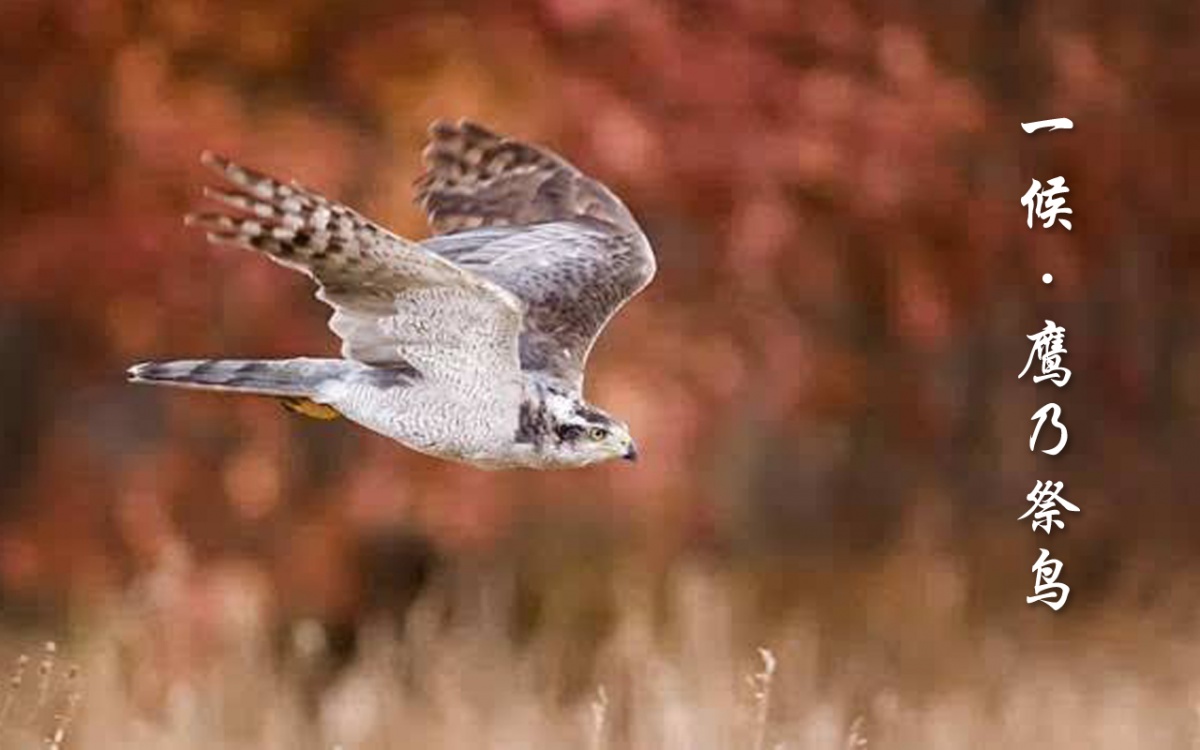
column 1049, row 345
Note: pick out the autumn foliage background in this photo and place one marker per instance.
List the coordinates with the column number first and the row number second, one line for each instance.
column 822, row 379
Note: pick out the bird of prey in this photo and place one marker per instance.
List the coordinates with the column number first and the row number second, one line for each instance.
column 470, row 345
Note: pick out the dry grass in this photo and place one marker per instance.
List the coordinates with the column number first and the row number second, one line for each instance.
column 686, row 664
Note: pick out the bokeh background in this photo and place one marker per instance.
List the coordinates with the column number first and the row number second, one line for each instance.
column 822, row 379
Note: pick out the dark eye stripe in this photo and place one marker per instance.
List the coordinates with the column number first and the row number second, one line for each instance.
column 569, row 432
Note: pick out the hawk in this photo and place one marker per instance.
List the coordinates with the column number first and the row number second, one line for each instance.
column 470, row 345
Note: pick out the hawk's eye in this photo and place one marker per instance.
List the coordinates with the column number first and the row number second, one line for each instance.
column 569, row 432
column 597, row 433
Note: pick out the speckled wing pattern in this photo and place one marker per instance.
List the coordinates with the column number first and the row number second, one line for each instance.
column 532, row 223
column 395, row 303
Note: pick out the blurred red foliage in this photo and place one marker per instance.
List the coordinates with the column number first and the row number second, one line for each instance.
column 845, row 279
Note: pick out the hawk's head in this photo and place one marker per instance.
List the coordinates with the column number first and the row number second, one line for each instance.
column 569, row 432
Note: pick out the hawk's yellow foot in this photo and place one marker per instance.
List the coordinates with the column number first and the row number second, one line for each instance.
column 309, row 408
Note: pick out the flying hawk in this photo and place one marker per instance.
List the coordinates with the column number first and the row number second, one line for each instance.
column 469, row 345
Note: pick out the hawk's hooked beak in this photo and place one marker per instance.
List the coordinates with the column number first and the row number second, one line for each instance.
column 630, row 453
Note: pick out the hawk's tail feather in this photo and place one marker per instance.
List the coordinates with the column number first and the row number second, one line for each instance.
column 301, row 378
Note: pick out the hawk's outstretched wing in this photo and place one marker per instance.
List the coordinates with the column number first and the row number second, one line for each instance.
column 395, row 303
column 475, row 178
column 531, row 222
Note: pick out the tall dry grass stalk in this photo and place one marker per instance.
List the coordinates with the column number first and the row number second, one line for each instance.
column 761, row 684
column 15, row 680
column 599, row 716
